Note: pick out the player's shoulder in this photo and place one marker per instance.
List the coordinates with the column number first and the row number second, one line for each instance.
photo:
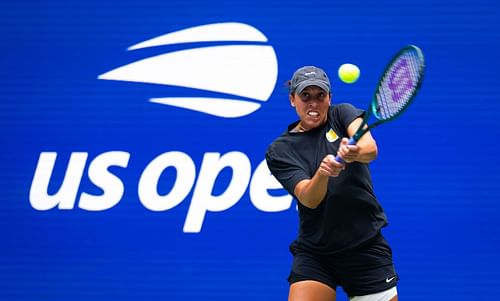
column 280, row 146
column 344, row 109
column 345, row 106
column 278, row 143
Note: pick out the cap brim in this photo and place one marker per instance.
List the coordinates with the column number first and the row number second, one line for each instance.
column 314, row 82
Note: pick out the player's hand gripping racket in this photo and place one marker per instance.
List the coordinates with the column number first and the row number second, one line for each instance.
column 396, row 89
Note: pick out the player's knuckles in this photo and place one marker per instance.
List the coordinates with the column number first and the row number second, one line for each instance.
column 329, row 158
column 337, row 168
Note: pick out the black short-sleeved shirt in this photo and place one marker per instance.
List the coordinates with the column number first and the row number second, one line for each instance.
column 350, row 213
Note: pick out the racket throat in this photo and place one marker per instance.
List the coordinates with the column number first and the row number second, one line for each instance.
column 355, row 138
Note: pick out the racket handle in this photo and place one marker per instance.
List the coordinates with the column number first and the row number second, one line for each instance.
column 351, row 141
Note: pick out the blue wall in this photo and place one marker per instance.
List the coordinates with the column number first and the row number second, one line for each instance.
column 436, row 174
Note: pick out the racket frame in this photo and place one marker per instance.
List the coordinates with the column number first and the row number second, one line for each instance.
column 372, row 110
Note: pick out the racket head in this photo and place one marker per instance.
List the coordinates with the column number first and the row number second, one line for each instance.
column 399, row 84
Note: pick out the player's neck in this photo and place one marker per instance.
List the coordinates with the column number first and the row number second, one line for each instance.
column 300, row 128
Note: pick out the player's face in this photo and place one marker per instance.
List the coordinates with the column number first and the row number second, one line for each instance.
column 311, row 106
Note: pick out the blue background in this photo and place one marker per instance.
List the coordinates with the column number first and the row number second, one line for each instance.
column 436, row 174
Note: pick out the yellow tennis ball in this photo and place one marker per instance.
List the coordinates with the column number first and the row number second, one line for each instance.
column 349, row 73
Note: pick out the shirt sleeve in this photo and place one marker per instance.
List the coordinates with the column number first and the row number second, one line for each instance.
column 345, row 114
column 285, row 168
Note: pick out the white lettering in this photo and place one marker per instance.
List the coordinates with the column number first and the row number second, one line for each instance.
column 203, row 200
column 262, row 181
column 186, row 173
column 111, row 185
column 66, row 195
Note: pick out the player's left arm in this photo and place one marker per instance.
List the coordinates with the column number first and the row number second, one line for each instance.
column 364, row 151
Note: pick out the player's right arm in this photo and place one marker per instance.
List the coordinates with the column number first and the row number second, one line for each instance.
column 364, row 151
column 311, row 192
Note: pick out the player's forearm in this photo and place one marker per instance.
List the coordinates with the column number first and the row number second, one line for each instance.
column 367, row 144
column 368, row 152
column 311, row 193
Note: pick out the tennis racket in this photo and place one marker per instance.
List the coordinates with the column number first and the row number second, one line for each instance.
column 396, row 89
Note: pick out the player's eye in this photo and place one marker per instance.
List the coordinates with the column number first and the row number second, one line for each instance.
column 308, row 97
column 305, row 96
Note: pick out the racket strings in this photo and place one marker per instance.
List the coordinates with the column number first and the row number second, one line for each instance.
column 398, row 85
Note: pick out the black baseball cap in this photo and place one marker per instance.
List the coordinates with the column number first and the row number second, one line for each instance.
column 309, row 76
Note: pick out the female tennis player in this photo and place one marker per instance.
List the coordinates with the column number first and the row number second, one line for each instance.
column 339, row 241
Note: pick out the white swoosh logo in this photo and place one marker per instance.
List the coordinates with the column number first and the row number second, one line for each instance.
column 206, row 33
column 248, row 71
column 387, row 280
column 221, row 107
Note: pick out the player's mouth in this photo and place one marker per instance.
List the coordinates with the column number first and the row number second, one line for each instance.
column 313, row 114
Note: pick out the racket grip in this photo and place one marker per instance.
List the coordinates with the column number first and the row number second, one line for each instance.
column 351, row 141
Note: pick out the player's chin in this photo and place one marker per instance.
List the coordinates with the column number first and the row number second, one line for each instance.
column 314, row 122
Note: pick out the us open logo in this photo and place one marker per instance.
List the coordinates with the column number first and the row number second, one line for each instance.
column 243, row 75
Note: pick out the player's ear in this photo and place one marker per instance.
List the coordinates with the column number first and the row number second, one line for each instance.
column 292, row 102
